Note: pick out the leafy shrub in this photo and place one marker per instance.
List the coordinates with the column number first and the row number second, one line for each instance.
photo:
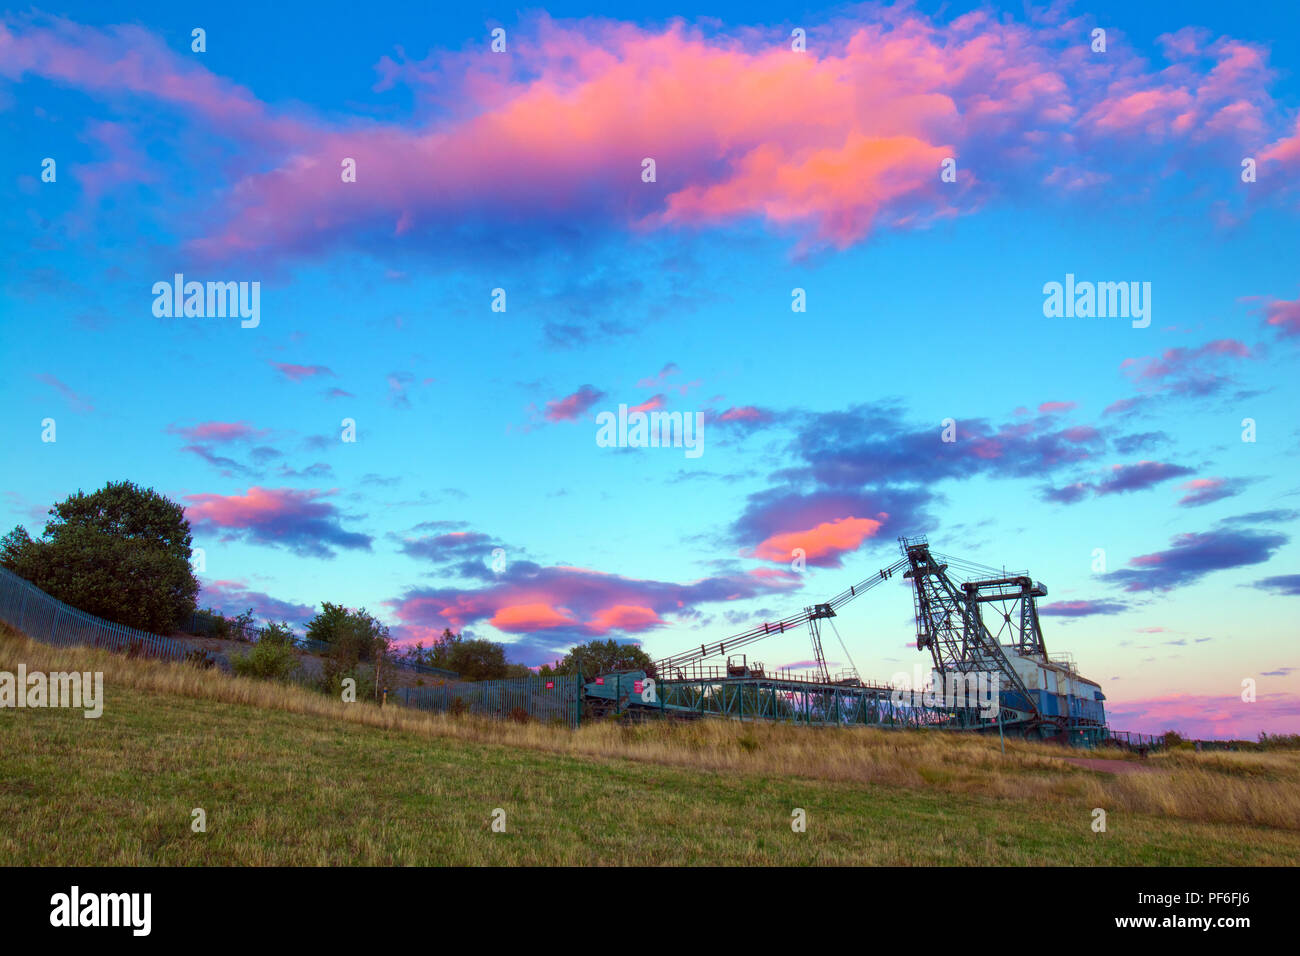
column 220, row 627
column 335, row 674
column 274, row 633
column 267, row 661
column 198, row 657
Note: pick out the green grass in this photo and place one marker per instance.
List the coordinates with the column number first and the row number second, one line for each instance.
column 305, row 789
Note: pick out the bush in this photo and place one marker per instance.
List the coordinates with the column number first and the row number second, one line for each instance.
column 331, row 682
column 267, row 661
column 220, row 625
column 121, row 553
column 200, row 658
column 353, row 636
column 273, row 633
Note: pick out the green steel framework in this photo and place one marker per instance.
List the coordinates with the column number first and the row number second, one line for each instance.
column 790, row 700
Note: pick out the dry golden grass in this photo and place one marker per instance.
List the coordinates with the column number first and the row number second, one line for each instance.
column 1249, row 789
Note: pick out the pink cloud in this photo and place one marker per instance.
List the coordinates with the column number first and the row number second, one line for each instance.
column 1208, row 717
column 1284, row 316
column 1081, row 434
column 824, row 543
column 624, row 617
column 1204, row 491
column 573, row 406
column 1285, row 151
column 649, row 405
column 1228, row 101
column 131, row 59
column 298, row 373
column 1174, row 361
column 572, row 603
column 830, row 145
column 743, row 413
column 530, row 617
column 218, row 432
column 303, row 521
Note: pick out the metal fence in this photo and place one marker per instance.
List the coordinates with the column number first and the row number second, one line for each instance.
column 548, row 699
column 50, row 621
column 207, row 624
column 409, row 665
column 203, row 624
column 1135, row 741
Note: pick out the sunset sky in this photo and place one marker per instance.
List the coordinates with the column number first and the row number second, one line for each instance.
column 775, row 170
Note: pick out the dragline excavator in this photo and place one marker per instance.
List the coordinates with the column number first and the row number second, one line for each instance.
column 984, row 628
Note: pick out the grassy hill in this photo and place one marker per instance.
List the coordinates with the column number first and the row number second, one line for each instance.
column 287, row 776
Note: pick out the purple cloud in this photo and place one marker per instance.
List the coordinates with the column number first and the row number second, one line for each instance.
column 1138, row 477
column 234, row 597
column 1192, row 556
column 1082, row 608
column 1281, row 584
column 79, row 403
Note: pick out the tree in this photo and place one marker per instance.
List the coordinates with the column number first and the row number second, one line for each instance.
column 121, row 553
column 328, row 624
column 354, row 637
column 471, row 659
column 477, row 660
column 14, row 547
column 599, row 657
column 439, row 655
